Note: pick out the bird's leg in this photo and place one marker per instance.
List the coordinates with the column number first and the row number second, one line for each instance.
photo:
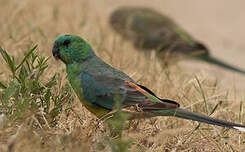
column 137, row 108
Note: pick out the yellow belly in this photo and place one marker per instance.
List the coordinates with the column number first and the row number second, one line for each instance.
column 99, row 112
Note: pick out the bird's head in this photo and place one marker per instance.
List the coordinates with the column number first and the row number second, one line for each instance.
column 71, row 48
column 119, row 18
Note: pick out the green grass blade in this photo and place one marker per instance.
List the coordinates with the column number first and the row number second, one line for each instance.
column 202, row 93
column 2, row 86
column 216, row 106
column 8, row 60
column 240, row 111
column 26, row 57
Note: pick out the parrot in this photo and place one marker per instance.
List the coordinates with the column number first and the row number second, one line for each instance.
column 96, row 84
column 148, row 30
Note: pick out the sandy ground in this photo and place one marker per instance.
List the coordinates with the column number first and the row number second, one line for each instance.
column 218, row 24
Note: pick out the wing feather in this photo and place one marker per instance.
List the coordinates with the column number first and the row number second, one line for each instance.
column 100, row 91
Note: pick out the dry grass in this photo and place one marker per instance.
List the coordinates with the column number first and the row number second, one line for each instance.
column 26, row 23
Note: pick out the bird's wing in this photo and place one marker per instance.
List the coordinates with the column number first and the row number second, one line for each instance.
column 101, row 90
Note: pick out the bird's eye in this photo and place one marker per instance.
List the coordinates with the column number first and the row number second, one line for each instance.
column 66, row 42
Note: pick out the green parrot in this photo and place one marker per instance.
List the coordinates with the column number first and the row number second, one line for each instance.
column 96, row 83
column 150, row 30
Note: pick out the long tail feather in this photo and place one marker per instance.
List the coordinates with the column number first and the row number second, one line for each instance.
column 182, row 113
column 220, row 63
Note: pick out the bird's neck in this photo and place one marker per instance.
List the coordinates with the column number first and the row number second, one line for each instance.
column 73, row 71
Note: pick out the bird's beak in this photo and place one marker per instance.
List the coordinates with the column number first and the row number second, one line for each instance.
column 56, row 52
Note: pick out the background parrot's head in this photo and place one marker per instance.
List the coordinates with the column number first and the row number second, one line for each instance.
column 119, row 19
column 71, row 48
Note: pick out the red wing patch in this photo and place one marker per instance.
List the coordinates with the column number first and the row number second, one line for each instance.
column 155, row 102
column 137, row 88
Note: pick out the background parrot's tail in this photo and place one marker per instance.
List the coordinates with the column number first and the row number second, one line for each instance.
column 182, row 113
column 220, row 63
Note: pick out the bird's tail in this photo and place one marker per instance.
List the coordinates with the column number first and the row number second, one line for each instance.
column 182, row 113
column 220, row 63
